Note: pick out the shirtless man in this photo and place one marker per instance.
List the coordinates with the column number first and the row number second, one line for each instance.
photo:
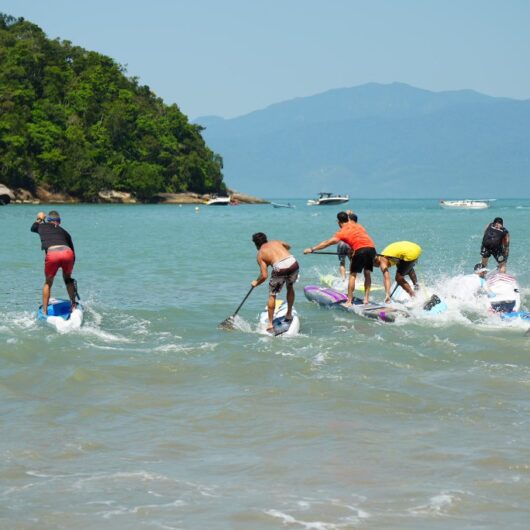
column 284, row 271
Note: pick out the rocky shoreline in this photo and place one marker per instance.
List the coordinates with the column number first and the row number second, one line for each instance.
column 43, row 195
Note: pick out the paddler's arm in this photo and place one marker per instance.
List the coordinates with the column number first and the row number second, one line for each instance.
column 41, row 217
column 323, row 244
column 263, row 272
column 506, row 245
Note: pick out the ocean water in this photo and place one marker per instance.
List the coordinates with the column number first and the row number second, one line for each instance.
column 151, row 417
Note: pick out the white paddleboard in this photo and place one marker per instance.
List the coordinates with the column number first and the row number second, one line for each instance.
column 282, row 327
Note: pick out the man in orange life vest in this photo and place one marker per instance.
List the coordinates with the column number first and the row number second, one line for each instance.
column 363, row 256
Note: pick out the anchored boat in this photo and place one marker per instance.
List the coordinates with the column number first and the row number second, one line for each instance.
column 325, row 198
column 218, row 201
column 467, row 204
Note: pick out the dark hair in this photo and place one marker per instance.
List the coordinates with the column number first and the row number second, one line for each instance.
column 353, row 217
column 342, row 217
column 259, row 239
column 54, row 217
column 498, row 220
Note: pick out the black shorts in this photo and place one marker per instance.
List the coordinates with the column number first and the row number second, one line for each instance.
column 498, row 253
column 362, row 259
column 405, row 267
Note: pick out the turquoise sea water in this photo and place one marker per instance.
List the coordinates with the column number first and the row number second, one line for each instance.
column 152, row 417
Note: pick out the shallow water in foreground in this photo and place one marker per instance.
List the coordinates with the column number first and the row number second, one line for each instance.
column 151, row 417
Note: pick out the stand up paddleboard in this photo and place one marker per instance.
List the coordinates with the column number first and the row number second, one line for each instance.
column 327, row 297
column 340, row 284
column 61, row 316
column 287, row 328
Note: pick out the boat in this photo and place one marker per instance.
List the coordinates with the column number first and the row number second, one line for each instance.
column 61, row 316
column 217, row 200
column 279, row 205
column 287, row 328
column 467, row 204
column 328, row 199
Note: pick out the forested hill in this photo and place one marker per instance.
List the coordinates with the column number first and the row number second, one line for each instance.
column 72, row 121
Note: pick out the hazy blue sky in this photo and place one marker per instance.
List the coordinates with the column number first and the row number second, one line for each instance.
column 229, row 57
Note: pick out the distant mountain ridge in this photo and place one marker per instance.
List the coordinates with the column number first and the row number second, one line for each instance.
column 378, row 141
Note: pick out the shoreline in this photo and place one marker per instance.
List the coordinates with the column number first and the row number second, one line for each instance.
column 44, row 196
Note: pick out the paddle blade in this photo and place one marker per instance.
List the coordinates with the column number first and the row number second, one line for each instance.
column 227, row 323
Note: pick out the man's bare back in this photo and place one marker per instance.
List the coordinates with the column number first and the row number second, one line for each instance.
column 273, row 251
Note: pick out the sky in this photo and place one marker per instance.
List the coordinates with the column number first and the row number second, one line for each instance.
column 231, row 57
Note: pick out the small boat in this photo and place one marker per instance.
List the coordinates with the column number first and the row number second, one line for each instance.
column 218, row 201
column 467, row 204
column 325, row 198
column 279, row 205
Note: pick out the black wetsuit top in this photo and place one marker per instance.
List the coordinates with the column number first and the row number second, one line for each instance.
column 494, row 236
column 52, row 235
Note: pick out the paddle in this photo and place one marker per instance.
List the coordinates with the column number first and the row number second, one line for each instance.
column 394, row 290
column 228, row 323
column 328, row 253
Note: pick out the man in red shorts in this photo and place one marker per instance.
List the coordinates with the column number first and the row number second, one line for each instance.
column 354, row 235
column 59, row 248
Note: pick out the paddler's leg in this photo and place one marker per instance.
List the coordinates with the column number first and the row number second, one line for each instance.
column 271, row 306
column 400, row 280
column 70, row 287
column 46, row 292
column 367, row 285
column 290, row 302
column 351, row 288
column 414, row 278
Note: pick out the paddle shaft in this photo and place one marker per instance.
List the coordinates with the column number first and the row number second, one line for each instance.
column 328, row 253
column 244, row 300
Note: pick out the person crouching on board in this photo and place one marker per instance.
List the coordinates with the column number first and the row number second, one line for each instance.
column 284, row 272
column 363, row 247
column 496, row 243
column 59, row 253
column 344, row 250
column 403, row 254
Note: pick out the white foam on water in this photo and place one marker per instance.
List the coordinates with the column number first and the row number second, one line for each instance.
column 18, row 321
column 343, row 520
column 438, row 505
column 179, row 348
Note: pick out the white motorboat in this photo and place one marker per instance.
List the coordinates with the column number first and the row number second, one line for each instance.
column 325, row 198
column 467, row 204
column 218, row 201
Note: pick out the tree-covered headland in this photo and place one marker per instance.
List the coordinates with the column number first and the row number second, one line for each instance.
column 73, row 122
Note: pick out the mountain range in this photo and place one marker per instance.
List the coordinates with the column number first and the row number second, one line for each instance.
column 378, row 140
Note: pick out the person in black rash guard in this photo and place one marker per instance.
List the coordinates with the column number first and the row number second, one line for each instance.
column 496, row 243
column 59, row 248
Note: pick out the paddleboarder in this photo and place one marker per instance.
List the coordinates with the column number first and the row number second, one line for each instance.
column 496, row 243
column 403, row 254
column 363, row 247
column 285, row 269
column 59, row 254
